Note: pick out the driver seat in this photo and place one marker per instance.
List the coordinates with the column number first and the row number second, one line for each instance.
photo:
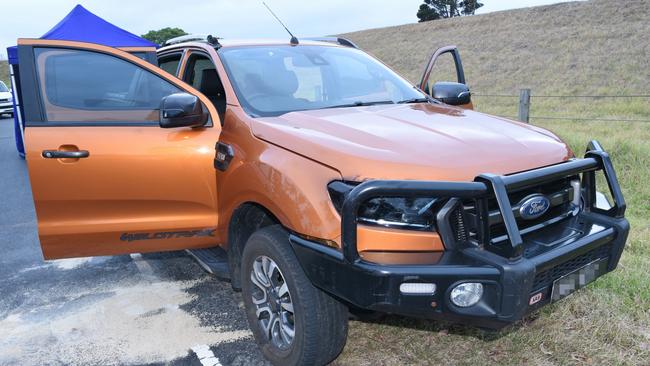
column 212, row 88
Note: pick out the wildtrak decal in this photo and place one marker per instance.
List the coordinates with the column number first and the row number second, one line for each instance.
column 167, row 235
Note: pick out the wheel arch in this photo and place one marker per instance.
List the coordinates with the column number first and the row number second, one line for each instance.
column 246, row 219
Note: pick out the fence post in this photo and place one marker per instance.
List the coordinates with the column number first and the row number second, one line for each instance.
column 524, row 105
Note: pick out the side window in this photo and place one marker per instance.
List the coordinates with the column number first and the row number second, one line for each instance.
column 194, row 72
column 85, row 86
column 201, row 73
column 170, row 63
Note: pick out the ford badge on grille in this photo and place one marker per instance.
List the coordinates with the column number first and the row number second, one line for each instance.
column 533, row 207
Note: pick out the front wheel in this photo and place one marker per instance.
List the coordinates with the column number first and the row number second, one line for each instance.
column 293, row 322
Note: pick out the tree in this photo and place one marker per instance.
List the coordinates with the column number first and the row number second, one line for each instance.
column 426, row 13
column 162, row 35
column 437, row 9
column 470, row 6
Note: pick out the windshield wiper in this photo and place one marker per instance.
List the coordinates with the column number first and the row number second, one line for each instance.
column 414, row 100
column 426, row 98
column 360, row 104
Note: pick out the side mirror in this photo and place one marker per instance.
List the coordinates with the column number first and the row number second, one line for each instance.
column 451, row 93
column 182, row 110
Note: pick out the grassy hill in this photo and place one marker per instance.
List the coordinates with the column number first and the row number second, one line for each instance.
column 595, row 47
column 599, row 47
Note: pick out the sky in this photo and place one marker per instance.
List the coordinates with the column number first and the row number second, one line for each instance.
column 225, row 18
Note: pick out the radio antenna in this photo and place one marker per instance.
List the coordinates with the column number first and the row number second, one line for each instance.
column 294, row 40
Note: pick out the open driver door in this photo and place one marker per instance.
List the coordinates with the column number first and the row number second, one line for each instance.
column 120, row 153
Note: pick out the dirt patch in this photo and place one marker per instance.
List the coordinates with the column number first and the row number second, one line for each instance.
column 139, row 324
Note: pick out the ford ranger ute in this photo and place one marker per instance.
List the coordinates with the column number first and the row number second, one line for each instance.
column 316, row 180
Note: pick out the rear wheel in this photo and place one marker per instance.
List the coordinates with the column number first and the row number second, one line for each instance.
column 293, row 322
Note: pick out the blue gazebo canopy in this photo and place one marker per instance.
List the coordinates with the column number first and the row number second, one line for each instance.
column 83, row 26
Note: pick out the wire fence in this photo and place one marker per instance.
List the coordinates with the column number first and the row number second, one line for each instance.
column 525, row 96
column 564, row 96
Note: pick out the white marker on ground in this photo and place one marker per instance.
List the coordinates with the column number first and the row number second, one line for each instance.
column 206, row 356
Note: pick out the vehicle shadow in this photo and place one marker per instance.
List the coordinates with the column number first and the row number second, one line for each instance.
column 443, row 327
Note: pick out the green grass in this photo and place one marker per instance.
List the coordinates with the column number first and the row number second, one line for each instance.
column 588, row 48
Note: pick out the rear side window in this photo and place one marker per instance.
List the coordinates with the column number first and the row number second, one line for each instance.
column 194, row 72
column 85, row 86
column 170, row 63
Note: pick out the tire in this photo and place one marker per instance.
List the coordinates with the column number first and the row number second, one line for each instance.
column 319, row 323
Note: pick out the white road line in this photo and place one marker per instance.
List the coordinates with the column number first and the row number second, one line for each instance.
column 205, row 355
column 141, row 263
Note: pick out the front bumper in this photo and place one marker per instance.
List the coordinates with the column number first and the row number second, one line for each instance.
column 6, row 108
column 511, row 276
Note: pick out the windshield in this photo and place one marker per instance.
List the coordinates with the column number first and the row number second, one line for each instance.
column 273, row 80
column 3, row 87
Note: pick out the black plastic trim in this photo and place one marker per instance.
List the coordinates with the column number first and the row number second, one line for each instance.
column 443, row 219
column 57, row 154
column 338, row 40
column 31, row 99
column 223, row 156
column 499, row 187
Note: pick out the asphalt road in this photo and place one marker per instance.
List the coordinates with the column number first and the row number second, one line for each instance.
column 131, row 309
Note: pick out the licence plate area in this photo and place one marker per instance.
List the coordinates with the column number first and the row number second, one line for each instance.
column 570, row 283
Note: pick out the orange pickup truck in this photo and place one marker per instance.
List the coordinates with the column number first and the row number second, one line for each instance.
column 315, row 179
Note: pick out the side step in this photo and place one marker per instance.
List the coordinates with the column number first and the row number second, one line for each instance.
column 214, row 260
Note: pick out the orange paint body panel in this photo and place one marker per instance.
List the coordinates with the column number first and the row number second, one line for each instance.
column 378, row 239
column 137, row 179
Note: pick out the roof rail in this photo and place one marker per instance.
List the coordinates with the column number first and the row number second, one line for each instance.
column 338, row 40
column 192, row 38
column 186, row 38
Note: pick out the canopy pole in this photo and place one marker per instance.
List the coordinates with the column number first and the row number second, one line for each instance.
column 18, row 120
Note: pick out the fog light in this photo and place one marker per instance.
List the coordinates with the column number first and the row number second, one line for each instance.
column 418, row 288
column 466, row 294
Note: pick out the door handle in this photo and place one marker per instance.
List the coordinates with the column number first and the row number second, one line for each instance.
column 58, row 154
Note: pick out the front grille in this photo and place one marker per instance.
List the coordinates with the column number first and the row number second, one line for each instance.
column 4, row 100
column 498, row 229
column 561, row 189
column 546, row 278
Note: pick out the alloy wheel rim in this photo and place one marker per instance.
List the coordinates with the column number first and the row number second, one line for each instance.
column 273, row 304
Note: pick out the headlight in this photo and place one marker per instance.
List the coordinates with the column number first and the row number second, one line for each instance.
column 399, row 212
column 466, row 294
column 395, row 212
